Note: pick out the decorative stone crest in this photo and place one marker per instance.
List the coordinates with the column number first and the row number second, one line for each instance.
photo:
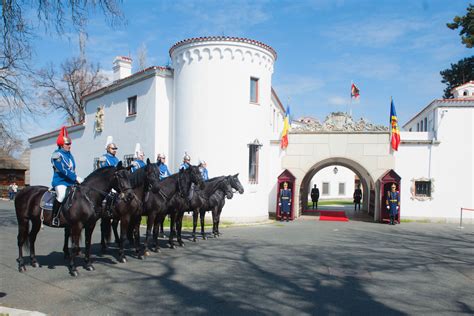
column 335, row 122
column 99, row 119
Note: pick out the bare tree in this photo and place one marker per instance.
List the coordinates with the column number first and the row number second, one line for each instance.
column 17, row 32
column 64, row 90
column 142, row 56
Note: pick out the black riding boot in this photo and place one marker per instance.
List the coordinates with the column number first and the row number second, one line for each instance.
column 55, row 213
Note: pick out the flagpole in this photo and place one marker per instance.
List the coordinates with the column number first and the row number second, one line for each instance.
column 350, row 102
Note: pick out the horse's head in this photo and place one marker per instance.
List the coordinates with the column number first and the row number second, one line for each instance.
column 122, row 182
column 196, row 176
column 152, row 175
column 235, row 183
column 226, row 187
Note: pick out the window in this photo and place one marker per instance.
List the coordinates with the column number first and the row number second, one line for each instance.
column 421, row 126
column 417, row 127
column 253, row 163
column 254, row 90
column 132, row 106
column 325, row 188
column 423, row 188
column 465, row 93
column 426, row 124
column 127, row 160
column 409, row 129
column 342, row 188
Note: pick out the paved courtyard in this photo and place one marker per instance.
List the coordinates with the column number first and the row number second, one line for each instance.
column 306, row 267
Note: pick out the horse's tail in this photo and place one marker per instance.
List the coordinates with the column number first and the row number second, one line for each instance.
column 106, row 229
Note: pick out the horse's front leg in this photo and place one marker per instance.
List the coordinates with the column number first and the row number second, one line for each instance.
column 195, row 218
column 21, row 238
column 172, row 229
column 136, row 236
column 32, row 236
column 115, row 223
column 156, row 231
column 67, row 233
column 124, row 222
column 104, row 233
column 76, row 235
column 149, row 226
column 179, row 226
column 202, row 214
column 214, row 222
column 219, row 211
column 88, row 263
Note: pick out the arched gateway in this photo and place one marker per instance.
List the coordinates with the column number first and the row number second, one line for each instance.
column 358, row 145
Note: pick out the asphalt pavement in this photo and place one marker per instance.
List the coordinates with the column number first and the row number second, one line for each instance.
column 305, row 267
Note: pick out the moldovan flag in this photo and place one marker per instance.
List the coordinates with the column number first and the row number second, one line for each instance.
column 395, row 131
column 286, row 127
column 354, row 92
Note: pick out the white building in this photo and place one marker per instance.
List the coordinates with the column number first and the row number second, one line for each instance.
column 436, row 159
column 334, row 183
column 216, row 103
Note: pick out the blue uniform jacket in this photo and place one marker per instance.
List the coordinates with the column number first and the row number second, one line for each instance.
column 204, row 174
column 108, row 160
column 137, row 164
column 184, row 166
column 393, row 200
column 64, row 168
column 164, row 172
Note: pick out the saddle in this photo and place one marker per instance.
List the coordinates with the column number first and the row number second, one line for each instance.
column 48, row 197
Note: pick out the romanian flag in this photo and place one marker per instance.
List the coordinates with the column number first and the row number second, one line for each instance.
column 354, row 92
column 395, row 131
column 286, row 127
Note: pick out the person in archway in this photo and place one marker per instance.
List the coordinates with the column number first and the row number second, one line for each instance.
column 393, row 203
column 315, row 196
column 285, row 202
column 357, row 197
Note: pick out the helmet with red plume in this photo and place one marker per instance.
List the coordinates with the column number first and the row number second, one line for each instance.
column 63, row 137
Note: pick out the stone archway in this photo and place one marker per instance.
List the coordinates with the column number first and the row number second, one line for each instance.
column 367, row 181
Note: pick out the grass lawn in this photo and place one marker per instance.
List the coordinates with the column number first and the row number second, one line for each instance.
column 188, row 222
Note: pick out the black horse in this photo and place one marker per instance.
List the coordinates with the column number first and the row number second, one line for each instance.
column 83, row 211
column 215, row 189
column 216, row 212
column 167, row 197
column 127, row 212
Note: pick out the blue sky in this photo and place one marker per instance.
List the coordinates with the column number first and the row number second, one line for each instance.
column 388, row 48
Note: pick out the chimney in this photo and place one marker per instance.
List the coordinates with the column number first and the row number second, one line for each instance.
column 122, row 67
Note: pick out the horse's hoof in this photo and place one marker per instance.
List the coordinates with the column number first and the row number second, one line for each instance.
column 181, row 244
column 21, row 269
column 74, row 273
column 123, row 260
column 194, row 239
column 140, row 257
column 146, row 253
column 35, row 264
column 172, row 246
column 154, row 249
column 90, row 267
column 204, row 237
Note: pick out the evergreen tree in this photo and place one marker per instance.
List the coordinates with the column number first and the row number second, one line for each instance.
column 458, row 74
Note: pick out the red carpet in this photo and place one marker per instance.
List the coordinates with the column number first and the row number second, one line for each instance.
column 338, row 216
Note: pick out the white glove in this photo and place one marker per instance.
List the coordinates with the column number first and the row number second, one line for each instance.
column 279, row 204
column 388, row 207
column 79, row 180
column 398, row 207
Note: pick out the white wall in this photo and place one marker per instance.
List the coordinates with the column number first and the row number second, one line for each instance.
column 343, row 175
column 449, row 164
column 215, row 120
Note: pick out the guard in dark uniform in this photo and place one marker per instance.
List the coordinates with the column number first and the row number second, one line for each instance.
column 393, row 203
column 357, row 197
column 315, row 196
column 285, row 202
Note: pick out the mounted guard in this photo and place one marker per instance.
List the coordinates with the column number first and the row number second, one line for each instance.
column 64, row 176
column 139, row 156
column 186, row 162
column 203, row 169
column 109, row 159
column 164, row 171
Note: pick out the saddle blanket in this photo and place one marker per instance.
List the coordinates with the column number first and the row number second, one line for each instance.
column 47, row 200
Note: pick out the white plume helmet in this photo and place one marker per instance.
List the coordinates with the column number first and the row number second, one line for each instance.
column 109, row 141
column 186, row 157
column 138, row 150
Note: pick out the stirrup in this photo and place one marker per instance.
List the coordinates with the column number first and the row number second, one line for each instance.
column 55, row 221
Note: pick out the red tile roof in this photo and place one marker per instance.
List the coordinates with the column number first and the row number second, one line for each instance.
column 223, row 39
